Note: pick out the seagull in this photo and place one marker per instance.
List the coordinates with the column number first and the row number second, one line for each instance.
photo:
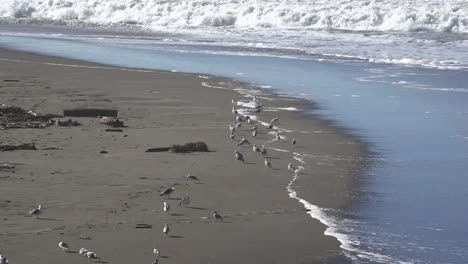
column 278, row 137
column 232, row 136
column 239, row 125
column 254, row 133
column 63, row 246
column 239, row 118
column 83, row 251
column 3, row 259
column 293, row 141
column 264, row 151
column 156, row 252
column 217, row 216
column 274, row 120
column 232, row 128
column 234, row 110
column 167, row 191
column 233, row 101
column 291, row 167
column 255, row 148
column 239, row 156
column 243, row 141
column 249, row 121
column 267, row 163
column 166, row 229
column 166, row 207
column 191, row 177
column 91, row 255
column 185, row 200
column 36, row 211
column 270, row 126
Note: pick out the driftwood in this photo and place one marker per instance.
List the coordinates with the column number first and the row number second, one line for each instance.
column 114, row 130
column 90, row 112
column 189, row 147
column 28, row 146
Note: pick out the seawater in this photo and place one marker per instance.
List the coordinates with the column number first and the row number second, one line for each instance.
column 413, row 202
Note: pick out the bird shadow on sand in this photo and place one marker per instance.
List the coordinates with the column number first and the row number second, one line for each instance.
column 100, row 261
column 174, row 236
column 72, row 252
column 164, row 257
column 49, row 219
column 176, row 214
column 196, row 208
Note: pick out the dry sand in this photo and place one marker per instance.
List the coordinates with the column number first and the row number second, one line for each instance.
column 102, row 197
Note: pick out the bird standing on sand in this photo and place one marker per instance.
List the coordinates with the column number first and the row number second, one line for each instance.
column 239, row 118
column 156, row 252
column 278, row 137
column 63, row 246
column 232, row 128
column 291, row 167
column 231, row 136
column 91, row 255
column 256, row 148
column 166, row 229
column 274, row 120
column 83, row 251
column 185, row 200
column 243, row 141
column 239, row 156
column 254, row 133
column 264, row 151
column 191, row 177
column 217, row 216
column 293, row 141
column 166, row 207
column 36, row 211
column 167, row 191
column 239, row 125
column 267, row 163
column 233, row 101
column 249, row 121
column 234, row 110
column 3, row 259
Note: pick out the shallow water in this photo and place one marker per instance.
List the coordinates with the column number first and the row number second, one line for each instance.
column 415, row 119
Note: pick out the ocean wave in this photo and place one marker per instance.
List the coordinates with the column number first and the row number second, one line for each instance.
column 375, row 15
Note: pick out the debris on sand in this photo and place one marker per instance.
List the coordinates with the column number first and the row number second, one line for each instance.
column 90, row 112
column 17, row 117
column 189, row 147
column 26, row 146
column 6, row 166
column 110, row 121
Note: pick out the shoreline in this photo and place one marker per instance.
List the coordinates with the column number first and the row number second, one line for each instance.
column 172, row 123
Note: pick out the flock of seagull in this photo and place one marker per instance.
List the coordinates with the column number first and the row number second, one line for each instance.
column 233, row 128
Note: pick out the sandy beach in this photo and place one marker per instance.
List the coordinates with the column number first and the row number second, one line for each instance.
column 95, row 200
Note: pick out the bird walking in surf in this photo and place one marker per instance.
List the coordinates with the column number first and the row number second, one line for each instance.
column 255, row 148
column 191, row 177
column 36, row 211
column 268, row 163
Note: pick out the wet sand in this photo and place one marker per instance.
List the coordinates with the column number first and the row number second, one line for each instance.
column 102, row 197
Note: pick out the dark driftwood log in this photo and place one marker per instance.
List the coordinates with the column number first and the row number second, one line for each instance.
column 114, row 130
column 189, row 147
column 90, row 112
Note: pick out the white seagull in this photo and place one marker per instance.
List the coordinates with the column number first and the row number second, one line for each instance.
column 233, row 101
column 156, row 252
column 234, row 110
column 3, row 259
column 63, row 246
column 36, row 211
column 249, row 121
column 254, row 133
column 291, row 167
column 166, row 229
column 239, row 125
column 191, row 177
column 167, row 191
column 166, row 207
column 232, row 128
column 83, row 251
column 267, row 163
